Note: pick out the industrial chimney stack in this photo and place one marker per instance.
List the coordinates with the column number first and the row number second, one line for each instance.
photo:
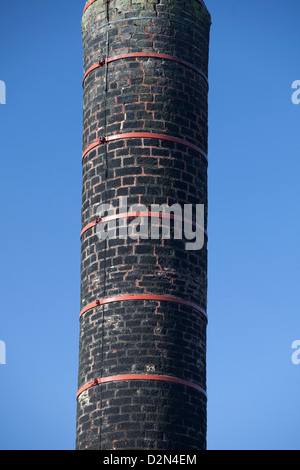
column 143, row 320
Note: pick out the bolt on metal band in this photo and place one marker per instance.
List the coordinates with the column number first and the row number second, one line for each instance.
column 157, row 378
column 142, row 135
column 158, row 298
column 151, row 55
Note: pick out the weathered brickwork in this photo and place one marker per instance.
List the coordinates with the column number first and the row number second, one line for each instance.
column 142, row 415
column 159, row 96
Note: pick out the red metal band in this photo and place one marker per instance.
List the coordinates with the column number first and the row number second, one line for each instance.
column 153, row 55
column 92, row 1
column 142, row 135
column 129, row 215
column 87, row 5
column 91, row 225
column 157, row 378
column 158, row 298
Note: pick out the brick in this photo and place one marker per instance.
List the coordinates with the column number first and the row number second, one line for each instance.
column 143, row 336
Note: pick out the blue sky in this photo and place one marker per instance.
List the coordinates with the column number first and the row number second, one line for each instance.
column 254, row 228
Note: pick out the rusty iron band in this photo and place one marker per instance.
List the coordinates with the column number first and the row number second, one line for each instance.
column 142, row 135
column 157, row 378
column 151, row 55
column 158, row 298
column 129, row 215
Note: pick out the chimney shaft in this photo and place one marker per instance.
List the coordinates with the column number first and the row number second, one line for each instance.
column 142, row 360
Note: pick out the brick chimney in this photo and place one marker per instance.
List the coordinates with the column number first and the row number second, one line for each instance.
column 143, row 320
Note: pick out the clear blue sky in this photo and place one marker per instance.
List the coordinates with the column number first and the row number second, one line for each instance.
column 254, row 228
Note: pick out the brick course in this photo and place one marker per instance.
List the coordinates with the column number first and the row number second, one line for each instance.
column 143, row 336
